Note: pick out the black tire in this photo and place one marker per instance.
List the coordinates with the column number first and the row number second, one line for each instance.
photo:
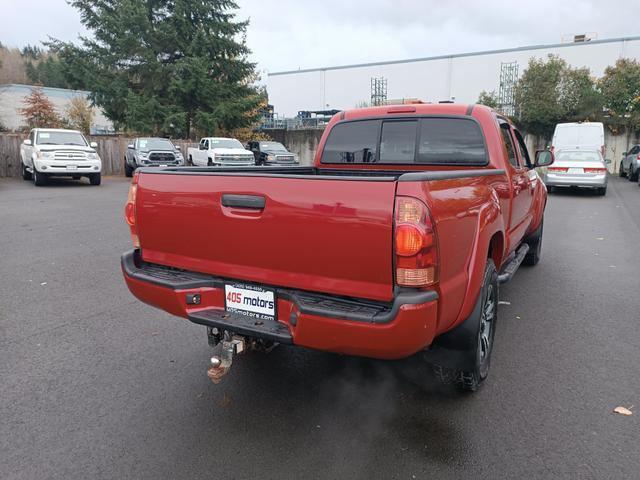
column 191, row 160
column 26, row 175
column 551, row 189
column 621, row 171
column 535, row 246
column 209, row 162
column 632, row 175
column 95, row 178
column 128, row 171
column 484, row 328
column 602, row 191
column 39, row 179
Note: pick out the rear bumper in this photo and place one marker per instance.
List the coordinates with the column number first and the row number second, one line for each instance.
column 323, row 322
column 564, row 180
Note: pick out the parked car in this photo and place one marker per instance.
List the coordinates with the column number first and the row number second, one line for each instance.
column 392, row 244
column 220, row 152
column 630, row 164
column 54, row 152
column 578, row 168
column 151, row 152
column 272, row 153
column 578, row 136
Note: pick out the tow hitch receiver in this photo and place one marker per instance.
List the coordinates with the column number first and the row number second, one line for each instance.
column 220, row 364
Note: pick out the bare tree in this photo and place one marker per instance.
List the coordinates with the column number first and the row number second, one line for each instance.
column 80, row 114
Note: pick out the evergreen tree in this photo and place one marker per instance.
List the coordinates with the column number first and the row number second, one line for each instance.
column 164, row 66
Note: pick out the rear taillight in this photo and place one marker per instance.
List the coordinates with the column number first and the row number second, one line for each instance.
column 415, row 244
column 638, row 157
column 130, row 210
column 595, row 170
column 557, row 170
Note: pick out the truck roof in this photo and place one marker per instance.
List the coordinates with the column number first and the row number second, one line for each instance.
column 410, row 108
column 57, row 130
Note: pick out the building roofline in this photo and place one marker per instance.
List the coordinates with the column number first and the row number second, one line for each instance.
column 458, row 55
column 45, row 89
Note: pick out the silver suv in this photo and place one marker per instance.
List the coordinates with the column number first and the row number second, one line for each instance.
column 630, row 164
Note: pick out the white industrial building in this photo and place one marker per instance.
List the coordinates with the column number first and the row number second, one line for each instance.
column 459, row 77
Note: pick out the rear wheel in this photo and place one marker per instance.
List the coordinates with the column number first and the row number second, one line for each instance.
column 632, row 175
column 551, row 189
column 602, row 191
column 621, row 172
column 486, row 311
column 95, row 178
column 128, row 171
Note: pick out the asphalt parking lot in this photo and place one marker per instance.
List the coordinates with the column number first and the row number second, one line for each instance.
column 95, row 384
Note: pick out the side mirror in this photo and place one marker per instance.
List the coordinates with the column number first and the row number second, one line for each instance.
column 624, row 154
column 130, row 146
column 27, row 142
column 607, row 161
column 177, row 147
column 93, row 144
column 544, row 158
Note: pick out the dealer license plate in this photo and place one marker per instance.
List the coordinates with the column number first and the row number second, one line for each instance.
column 250, row 300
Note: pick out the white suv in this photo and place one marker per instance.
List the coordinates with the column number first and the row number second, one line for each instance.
column 52, row 152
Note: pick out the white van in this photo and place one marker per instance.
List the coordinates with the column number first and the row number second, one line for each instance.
column 578, row 136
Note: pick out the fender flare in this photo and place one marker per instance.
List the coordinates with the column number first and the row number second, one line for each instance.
column 490, row 223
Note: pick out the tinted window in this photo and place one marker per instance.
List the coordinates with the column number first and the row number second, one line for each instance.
column 450, row 141
column 522, row 148
column 352, row 142
column 582, row 156
column 506, row 139
column 441, row 141
column 398, row 142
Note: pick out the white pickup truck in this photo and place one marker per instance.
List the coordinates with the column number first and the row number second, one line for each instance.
column 220, row 152
column 52, row 152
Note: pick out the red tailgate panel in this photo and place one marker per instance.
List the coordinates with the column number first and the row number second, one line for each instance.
column 324, row 235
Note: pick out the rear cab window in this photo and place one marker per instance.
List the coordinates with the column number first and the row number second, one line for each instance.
column 407, row 141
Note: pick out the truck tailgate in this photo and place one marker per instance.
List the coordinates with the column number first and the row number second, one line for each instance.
column 317, row 234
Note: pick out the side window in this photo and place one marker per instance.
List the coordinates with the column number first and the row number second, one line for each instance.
column 398, row 142
column 508, row 143
column 32, row 137
column 522, row 148
column 634, row 150
column 352, row 142
column 206, row 145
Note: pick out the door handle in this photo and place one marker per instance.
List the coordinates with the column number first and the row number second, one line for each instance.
column 255, row 202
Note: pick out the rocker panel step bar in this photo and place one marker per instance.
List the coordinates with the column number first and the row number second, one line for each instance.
column 511, row 268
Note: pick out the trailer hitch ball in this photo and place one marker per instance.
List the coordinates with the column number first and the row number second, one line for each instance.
column 221, row 363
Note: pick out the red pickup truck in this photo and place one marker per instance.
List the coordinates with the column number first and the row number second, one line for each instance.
column 392, row 244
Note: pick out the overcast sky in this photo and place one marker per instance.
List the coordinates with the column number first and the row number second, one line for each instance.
column 292, row 34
